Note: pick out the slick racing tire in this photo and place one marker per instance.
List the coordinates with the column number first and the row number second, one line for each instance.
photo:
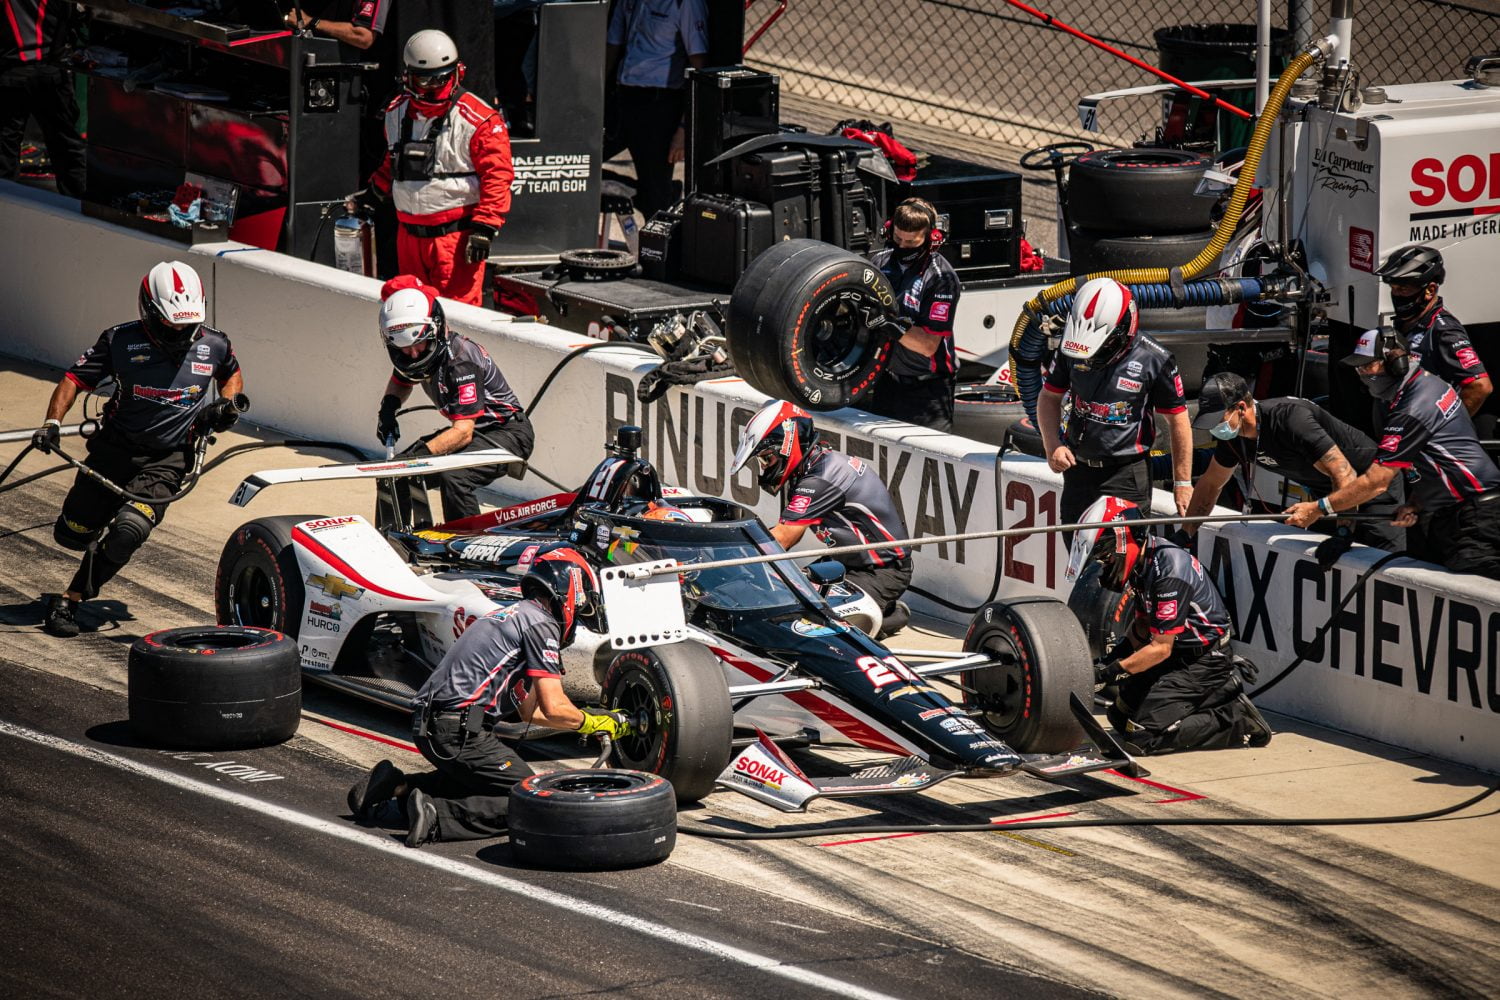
column 1093, row 252
column 679, row 702
column 259, row 583
column 1025, row 438
column 986, row 412
column 1106, row 615
column 592, row 819
column 212, row 687
column 1133, row 192
column 799, row 324
column 1042, row 656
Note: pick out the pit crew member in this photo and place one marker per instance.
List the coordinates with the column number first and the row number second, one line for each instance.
column 839, row 497
column 462, row 381
column 1117, row 377
column 163, row 365
column 1435, row 339
column 917, row 386
column 506, row 667
column 1303, row 441
column 1179, row 686
column 1453, row 488
column 447, row 167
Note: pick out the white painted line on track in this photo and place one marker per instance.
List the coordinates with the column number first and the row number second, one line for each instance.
column 701, row 906
column 548, row 897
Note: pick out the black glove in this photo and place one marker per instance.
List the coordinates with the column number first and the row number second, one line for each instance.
column 1179, row 536
column 477, row 248
column 1331, row 549
column 610, row 721
column 220, row 415
column 893, row 327
column 46, row 437
column 417, row 450
column 1107, row 673
column 387, row 430
column 366, row 201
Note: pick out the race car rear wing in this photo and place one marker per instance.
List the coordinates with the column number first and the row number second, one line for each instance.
column 428, row 465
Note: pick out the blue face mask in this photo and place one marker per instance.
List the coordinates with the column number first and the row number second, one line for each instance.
column 1224, row 432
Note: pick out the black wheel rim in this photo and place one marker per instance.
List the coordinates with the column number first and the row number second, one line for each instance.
column 839, row 339
column 252, row 598
column 638, row 697
column 592, row 781
column 1001, row 689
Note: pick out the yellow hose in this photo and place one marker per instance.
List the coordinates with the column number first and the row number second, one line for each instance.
column 1210, row 254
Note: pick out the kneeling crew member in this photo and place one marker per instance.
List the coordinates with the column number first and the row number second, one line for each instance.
column 1118, row 378
column 1435, row 338
column 1306, row 443
column 917, row 385
column 461, row 380
column 1179, row 688
column 840, row 498
column 506, row 667
column 1454, row 486
column 162, row 365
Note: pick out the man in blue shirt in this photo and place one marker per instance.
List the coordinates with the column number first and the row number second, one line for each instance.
column 650, row 45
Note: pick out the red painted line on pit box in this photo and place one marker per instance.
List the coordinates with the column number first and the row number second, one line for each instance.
column 368, row 735
column 1183, row 795
column 921, row 833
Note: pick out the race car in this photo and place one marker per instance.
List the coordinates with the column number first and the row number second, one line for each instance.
column 737, row 663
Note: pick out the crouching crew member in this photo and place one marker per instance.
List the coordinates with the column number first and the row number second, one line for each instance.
column 1453, row 487
column 917, row 385
column 461, row 380
column 840, row 498
column 506, row 667
column 1179, row 685
column 1305, row 443
column 163, row 365
column 1118, row 378
column 1435, row 338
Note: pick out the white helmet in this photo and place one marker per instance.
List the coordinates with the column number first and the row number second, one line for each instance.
column 172, row 304
column 1102, row 323
column 409, row 317
column 431, row 66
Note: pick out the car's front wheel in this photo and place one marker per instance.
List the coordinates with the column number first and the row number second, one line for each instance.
column 1041, row 656
column 259, row 583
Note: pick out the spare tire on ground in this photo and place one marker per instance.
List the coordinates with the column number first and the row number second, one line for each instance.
column 592, row 819
column 800, row 324
column 212, row 687
column 1132, row 192
column 1042, row 657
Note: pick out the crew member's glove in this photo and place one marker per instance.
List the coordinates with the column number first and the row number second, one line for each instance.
column 366, row 201
column 1331, row 549
column 47, row 437
column 220, row 415
column 386, row 427
column 611, row 722
column 477, row 247
column 418, row 449
column 893, row 327
column 1108, row 673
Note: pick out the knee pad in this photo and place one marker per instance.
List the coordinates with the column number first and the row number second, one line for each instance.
column 71, row 535
column 128, row 532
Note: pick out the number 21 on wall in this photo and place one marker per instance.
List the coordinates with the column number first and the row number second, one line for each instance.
column 1034, row 512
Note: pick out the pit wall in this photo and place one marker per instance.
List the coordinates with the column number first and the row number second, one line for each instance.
column 1414, row 659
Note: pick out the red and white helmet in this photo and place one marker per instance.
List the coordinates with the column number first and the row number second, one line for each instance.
column 172, row 304
column 780, row 436
column 431, row 71
column 1118, row 547
column 1102, row 323
column 410, row 316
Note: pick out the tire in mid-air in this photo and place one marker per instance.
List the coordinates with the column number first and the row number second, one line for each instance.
column 1042, row 657
column 1133, row 192
column 212, row 687
column 258, row 582
column 799, row 324
column 679, row 702
column 592, row 819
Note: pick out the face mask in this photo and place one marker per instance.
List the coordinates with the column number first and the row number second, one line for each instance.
column 1407, row 306
column 906, row 257
column 1224, row 432
column 1381, row 385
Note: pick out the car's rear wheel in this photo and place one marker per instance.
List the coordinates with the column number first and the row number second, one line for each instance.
column 259, row 583
column 677, row 698
column 1041, row 656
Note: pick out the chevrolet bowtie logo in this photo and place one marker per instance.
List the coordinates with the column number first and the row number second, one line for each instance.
column 335, row 586
column 627, row 534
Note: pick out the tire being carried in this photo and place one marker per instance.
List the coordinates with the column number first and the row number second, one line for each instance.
column 592, row 819
column 212, row 687
column 799, row 324
column 1043, row 657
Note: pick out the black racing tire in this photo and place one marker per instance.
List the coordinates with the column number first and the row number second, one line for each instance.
column 213, row 687
column 986, row 412
column 1093, row 252
column 1025, row 438
column 677, row 696
column 798, row 324
column 1135, row 192
column 592, row 819
column 259, row 583
column 1106, row 615
column 1044, row 658
column 590, row 264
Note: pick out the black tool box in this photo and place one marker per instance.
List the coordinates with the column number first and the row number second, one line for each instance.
column 787, row 182
column 660, row 253
column 853, row 209
column 979, row 212
column 726, row 105
column 721, row 236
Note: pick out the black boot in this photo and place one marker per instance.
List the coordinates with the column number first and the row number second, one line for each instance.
column 1252, row 727
column 373, row 790
column 894, row 622
column 61, row 619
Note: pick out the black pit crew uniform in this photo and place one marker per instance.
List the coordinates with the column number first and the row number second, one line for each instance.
column 1428, row 437
column 845, row 503
column 1109, row 424
column 1191, row 700
column 491, row 665
column 1440, row 344
column 914, row 387
column 34, row 82
column 1291, row 435
column 468, row 386
column 144, row 444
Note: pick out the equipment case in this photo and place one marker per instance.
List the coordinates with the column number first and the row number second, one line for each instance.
column 721, row 236
column 979, row 212
column 785, row 181
column 853, row 209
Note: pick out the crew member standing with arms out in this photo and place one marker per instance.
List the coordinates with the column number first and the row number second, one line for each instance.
column 33, row 82
column 917, row 386
column 163, row 365
column 1435, row 338
column 1117, row 377
column 462, row 381
column 506, row 668
column 1305, row 443
column 1454, row 488
column 448, row 169
column 839, row 497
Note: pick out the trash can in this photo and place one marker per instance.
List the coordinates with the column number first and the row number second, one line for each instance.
column 1193, row 52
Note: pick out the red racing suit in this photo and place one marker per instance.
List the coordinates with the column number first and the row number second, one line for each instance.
column 468, row 185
